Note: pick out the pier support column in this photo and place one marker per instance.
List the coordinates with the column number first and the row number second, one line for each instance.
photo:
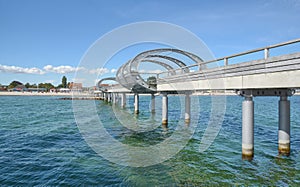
column 284, row 126
column 105, row 96
column 187, row 114
column 152, row 103
column 113, row 98
column 165, row 109
column 123, row 100
column 109, row 97
column 136, row 103
column 248, row 129
column 116, row 98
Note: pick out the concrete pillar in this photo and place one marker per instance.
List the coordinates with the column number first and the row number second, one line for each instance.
column 136, row 103
column 248, row 129
column 112, row 98
column 109, row 97
column 105, row 96
column 164, row 109
column 284, row 126
column 123, row 100
column 187, row 114
column 152, row 103
column 115, row 98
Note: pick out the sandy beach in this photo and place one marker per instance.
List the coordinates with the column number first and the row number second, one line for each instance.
column 34, row 94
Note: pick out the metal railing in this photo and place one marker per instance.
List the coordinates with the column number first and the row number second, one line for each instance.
column 225, row 59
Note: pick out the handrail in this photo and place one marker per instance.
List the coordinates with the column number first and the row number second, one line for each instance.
column 225, row 59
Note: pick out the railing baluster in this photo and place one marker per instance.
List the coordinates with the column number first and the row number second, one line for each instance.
column 225, row 61
column 267, row 54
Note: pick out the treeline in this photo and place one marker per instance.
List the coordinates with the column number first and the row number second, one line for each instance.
column 47, row 86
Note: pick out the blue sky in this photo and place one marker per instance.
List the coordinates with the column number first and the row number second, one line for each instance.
column 43, row 40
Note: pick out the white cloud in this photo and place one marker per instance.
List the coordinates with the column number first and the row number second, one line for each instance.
column 54, row 69
column 80, row 80
column 62, row 69
column 50, row 81
column 113, row 70
column 99, row 71
column 16, row 69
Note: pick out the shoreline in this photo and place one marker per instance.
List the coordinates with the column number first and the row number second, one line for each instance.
column 90, row 95
column 34, row 94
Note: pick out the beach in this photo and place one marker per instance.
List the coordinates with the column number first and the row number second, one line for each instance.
column 34, row 94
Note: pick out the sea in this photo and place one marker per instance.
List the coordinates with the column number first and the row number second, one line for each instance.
column 41, row 144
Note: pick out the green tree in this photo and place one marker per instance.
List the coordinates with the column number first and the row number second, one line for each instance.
column 27, row 85
column 48, row 86
column 14, row 84
column 59, row 86
column 64, row 82
column 151, row 80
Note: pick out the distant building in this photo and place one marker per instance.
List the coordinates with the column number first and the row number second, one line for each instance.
column 52, row 90
column 75, row 86
column 104, row 85
column 3, row 88
column 19, row 88
column 36, row 89
column 64, row 90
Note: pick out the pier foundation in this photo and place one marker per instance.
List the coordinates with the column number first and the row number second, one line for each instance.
column 187, row 114
column 114, row 98
column 136, row 103
column 123, row 100
column 105, row 96
column 248, row 129
column 109, row 97
column 152, row 103
column 165, row 109
column 284, row 126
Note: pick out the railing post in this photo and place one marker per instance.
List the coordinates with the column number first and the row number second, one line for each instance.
column 225, row 61
column 200, row 67
column 267, row 54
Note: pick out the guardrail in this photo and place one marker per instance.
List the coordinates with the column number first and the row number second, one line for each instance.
column 226, row 58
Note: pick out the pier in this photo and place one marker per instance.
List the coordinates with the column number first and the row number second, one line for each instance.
column 276, row 76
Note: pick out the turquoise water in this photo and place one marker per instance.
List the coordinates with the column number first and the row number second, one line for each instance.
column 40, row 144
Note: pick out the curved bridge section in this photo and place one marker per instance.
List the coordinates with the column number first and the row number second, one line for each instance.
column 100, row 87
column 129, row 76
